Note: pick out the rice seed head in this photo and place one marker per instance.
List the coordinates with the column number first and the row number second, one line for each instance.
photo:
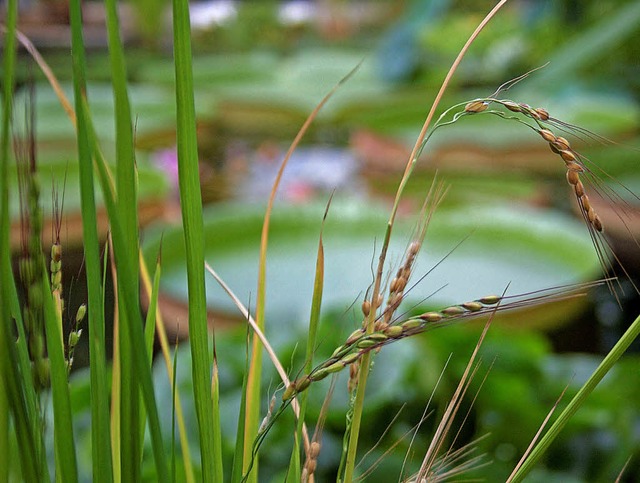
column 431, row 317
column 335, row 367
column 571, row 166
column 586, row 204
column 490, row 300
column 568, row 156
column 579, row 189
column 453, row 311
column 378, row 301
column 411, row 324
column 80, row 314
column 378, row 337
column 289, row 392
column 512, row 106
column 476, row 106
column 310, row 466
column 473, row 306
column 314, row 450
column 340, row 351
column 393, row 331
column 366, row 308
column 355, row 335
column 597, row 223
column 541, row 113
column 562, row 144
column 547, row 135
column 319, row 374
column 303, row 384
column 366, row 343
column 351, row 358
column 573, row 178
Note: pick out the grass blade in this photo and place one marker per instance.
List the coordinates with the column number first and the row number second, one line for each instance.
column 236, row 472
column 100, row 431
column 164, row 346
column 132, row 414
column 314, row 320
column 190, row 200
column 605, row 366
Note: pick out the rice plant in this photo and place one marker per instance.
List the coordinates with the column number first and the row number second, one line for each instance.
column 36, row 361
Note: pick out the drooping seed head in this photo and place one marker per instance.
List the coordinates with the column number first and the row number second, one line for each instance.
column 586, row 204
column 591, row 214
column 476, row 106
column 579, row 189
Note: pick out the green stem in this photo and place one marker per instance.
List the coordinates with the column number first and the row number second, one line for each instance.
column 605, row 366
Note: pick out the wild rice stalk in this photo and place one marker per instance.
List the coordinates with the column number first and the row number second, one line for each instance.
column 29, row 265
column 541, row 122
column 363, row 375
column 360, row 342
column 15, row 370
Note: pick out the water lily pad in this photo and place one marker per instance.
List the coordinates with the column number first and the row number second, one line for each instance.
column 514, row 246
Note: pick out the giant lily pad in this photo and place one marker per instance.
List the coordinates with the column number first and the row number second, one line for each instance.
column 514, row 246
